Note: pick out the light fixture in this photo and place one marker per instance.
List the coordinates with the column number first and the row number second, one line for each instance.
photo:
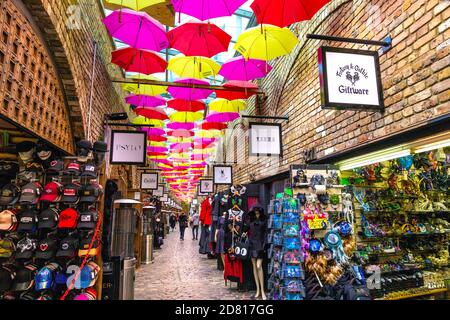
column 432, row 146
column 374, row 157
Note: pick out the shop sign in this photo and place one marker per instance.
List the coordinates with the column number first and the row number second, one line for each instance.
column 223, row 175
column 149, row 181
column 165, row 198
column 206, row 186
column 265, row 139
column 128, row 148
column 159, row 192
column 350, row 79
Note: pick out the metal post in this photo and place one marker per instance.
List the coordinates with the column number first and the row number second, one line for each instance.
column 386, row 43
column 91, row 94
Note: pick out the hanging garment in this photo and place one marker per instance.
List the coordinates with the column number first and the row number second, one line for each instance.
column 215, row 208
column 204, row 240
column 233, row 270
column 206, row 213
column 220, row 245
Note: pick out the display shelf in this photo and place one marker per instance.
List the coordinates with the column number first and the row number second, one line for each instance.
column 415, row 295
column 392, row 236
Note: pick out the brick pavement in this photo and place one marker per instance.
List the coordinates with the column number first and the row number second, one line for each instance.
column 179, row 272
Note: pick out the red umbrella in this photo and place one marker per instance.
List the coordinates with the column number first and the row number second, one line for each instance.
column 156, row 154
column 141, row 61
column 282, row 13
column 199, row 39
column 151, row 113
column 249, row 90
column 186, row 106
column 213, row 126
column 157, row 138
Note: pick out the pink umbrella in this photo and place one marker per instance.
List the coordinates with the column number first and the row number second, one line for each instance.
column 249, row 90
column 222, row 116
column 140, row 100
column 207, row 9
column 181, row 126
column 244, row 70
column 156, row 149
column 200, row 156
column 137, row 29
column 181, row 147
column 190, row 94
column 180, row 133
column 207, row 141
column 154, row 131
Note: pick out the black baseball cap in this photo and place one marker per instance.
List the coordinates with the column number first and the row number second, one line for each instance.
column 84, row 144
column 31, row 193
column 89, row 170
column 73, row 168
column 25, row 146
column 7, row 276
column 48, row 219
column 28, row 221
column 24, row 279
column 71, row 193
column 8, row 169
column 46, row 249
column 68, row 248
column 9, row 195
column 25, row 248
column 91, row 193
column 85, row 244
column 100, row 147
column 55, row 167
column 87, row 220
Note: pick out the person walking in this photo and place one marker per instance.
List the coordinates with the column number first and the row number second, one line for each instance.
column 173, row 221
column 195, row 225
column 183, row 221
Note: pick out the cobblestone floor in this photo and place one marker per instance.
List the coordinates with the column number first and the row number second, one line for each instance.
column 179, row 272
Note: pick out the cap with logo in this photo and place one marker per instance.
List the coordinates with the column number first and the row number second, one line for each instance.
column 89, row 170
column 8, row 220
column 48, row 219
column 34, row 167
column 68, row 219
column 28, row 221
column 88, row 295
column 55, row 167
column 73, row 168
column 26, row 248
column 52, row 192
column 91, row 193
column 87, row 220
column 88, row 276
column 85, row 244
column 9, row 195
column 71, row 193
column 31, row 193
column 7, row 276
column 67, row 248
column 46, row 276
column 46, row 249
column 7, row 246
column 24, row 279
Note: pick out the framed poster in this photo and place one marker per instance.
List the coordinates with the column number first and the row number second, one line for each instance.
column 149, row 181
column 265, row 139
column 202, row 194
column 206, row 186
column 159, row 192
column 350, row 79
column 128, row 147
column 165, row 198
column 223, row 175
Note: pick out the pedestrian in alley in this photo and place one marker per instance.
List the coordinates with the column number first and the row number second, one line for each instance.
column 173, row 221
column 183, row 221
column 195, row 225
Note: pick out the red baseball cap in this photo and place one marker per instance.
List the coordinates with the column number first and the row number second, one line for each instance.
column 68, row 219
column 52, row 192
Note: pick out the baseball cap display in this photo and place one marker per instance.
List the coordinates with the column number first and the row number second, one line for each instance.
column 68, row 219
column 28, row 221
column 30, row 193
column 88, row 276
column 25, row 248
column 24, row 279
column 71, row 193
column 52, row 192
column 8, row 220
column 48, row 219
column 55, row 167
column 34, row 167
column 8, row 171
column 46, row 249
column 7, row 276
column 73, row 168
column 87, row 220
column 46, row 276
column 89, row 170
column 9, row 195
column 85, row 244
column 88, row 295
column 83, row 148
column 67, row 248
column 91, row 193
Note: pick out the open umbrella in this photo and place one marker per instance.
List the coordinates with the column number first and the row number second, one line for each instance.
column 140, row 120
column 212, row 126
column 140, row 100
column 137, row 29
column 151, row 113
column 136, row 5
column 154, row 149
column 156, row 138
column 266, row 42
column 222, row 116
column 193, row 67
column 154, row 131
column 140, row 61
column 186, row 106
column 223, row 105
column 144, row 89
column 206, row 141
column 242, row 69
column 249, row 89
column 209, row 134
column 207, row 9
column 285, row 12
column 191, row 93
column 199, row 39
column 181, row 133
column 181, row 126
column 186, row 117
column 162, row 10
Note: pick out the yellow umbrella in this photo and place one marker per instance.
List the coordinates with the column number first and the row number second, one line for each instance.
column 180, row 156
column 193, row 67
column 144, row 89
column 224, row 105
column 157, row 144
column 209, row 134
column 203, row 151
column 157, row 157
column 136, row 5
column 186, row 117
column 266, row 42
column 149, row 122
column 180, row 140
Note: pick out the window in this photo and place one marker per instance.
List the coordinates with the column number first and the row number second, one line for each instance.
column 2, row 57
column 25, row 60
column 18, row 30
column 27, row 100
column 5, row 37
column 15, row 48
column 12, row 66
column 16, row 112
column 8, row 18
column 22, row 76
column 9, row 86
column 5, row 104
column 20, row 94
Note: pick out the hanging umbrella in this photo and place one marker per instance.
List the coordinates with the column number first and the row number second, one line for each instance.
column 266, row 42
column 191, row 93
column 207, row 141
column 193, row 67
column 186, row 106
column 207, row 9
column 157, row 154
column 144, row 89
column 151, row 113
column 212, row 126
column 156, row 144
column 137, row 29
column 282, row 13
column 154, row 131
column 145, row 101
column 136, row 5
column 222, row 116
column 181, row 126
column 200, row 156
column 140, row 120
column 153, row 149
column 188, row 117
column 244, row 70
column 181, row 140
column 156, row 138
column 140, row 61
column 181, row 133
column 161, row 10
column 199, row 39
column 249, row 89
column 209, row 134
column 223, row 105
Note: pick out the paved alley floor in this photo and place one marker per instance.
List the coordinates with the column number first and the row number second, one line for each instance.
column 179, row 272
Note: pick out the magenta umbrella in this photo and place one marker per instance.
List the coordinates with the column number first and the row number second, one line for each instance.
column 190, row 94
column 207, row 9
column 244, row 70
column 222, row 116
column 152, row 149
column 137, row 29
column 181, row 126
column 141, row 100
column 206, row 141
column 181, row 147
column 197, row 157
column 154, row 131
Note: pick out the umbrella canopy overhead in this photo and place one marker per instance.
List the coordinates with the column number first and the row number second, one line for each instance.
column 199, row 39
column 192, row 93
column 144, row 89
column 181, row 126
column 145, row 101
column 193, row 67
column 186, row 117
column 207, row 9
column 186, row 106
column 222, row 116
column 249, row 89
column 244, row 70
column 282, row 13
column 181, row 133
column 223, row 105
column 156, row 138
column 212, row 126
column 151, row 113
column 154, row 131
column 136, row 5
column 266, row 42
column 137, row 29
column 140, row 61
column 140, row 120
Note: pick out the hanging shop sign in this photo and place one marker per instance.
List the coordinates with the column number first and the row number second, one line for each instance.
column 159, row 192
column 350, row 79
column 149, row 181
column 265, row 139
column 128, row 148
column 223, row 175
column 206, row 186
column 165, row 198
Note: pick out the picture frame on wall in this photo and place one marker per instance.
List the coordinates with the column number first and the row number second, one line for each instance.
column 206, row 186
column 128, row 148
column 149, row 181
column 159, row 192
column 265, row 140
column 202, row 194
column 165, row 198
column 223, row 175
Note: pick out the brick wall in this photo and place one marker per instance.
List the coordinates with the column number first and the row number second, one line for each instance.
column 415, row 73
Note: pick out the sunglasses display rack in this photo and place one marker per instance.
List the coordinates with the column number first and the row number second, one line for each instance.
column 54, row 233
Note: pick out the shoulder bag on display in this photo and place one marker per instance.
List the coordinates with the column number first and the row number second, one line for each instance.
column 241, row 249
